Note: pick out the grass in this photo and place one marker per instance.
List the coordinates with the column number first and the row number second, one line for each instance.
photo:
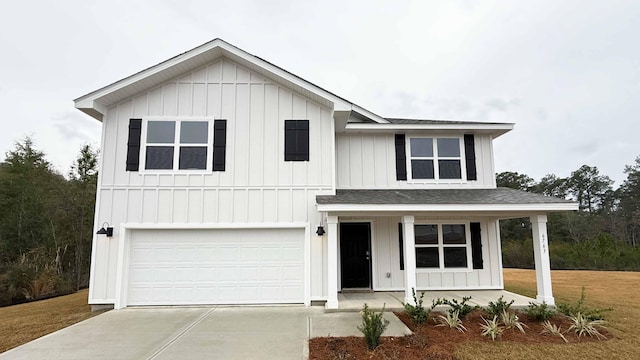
column 603, row 288
column 25, row 322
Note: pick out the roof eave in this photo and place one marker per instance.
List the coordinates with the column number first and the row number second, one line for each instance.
column 494, row 129
column 479, row 208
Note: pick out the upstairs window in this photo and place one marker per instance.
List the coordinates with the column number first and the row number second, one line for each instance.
column 435, row 158
column 296, row 140
column 442, row 246
column 177, row 145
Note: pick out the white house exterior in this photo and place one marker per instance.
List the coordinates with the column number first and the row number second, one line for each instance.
column 218, row 167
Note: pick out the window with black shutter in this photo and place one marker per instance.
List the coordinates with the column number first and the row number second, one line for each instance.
column 296, row 140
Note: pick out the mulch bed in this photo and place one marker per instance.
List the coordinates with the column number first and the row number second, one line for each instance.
column 429, row 341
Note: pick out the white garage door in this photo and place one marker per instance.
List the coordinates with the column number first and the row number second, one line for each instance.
column 234, row 266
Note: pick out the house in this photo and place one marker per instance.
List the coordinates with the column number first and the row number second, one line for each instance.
column 225, row 179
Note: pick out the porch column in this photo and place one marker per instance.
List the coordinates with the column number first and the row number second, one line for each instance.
column 409, row 258
column 541, row 255
column 332, row 262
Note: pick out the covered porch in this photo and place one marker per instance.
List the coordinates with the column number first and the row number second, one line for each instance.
column 469, row 265
column 393, row 300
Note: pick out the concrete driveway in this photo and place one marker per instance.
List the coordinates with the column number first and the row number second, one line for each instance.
column 196, row 333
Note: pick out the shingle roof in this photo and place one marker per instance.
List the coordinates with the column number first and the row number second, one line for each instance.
column 426, row 121
column 438, row 196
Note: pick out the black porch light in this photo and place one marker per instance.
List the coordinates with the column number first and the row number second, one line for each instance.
column 105, row 230
column 320, row 230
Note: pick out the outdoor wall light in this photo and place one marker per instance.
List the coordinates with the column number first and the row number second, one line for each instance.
column 105, row 230
column 320, row 230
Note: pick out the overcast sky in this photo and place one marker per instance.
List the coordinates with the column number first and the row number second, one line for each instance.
column 567, row 73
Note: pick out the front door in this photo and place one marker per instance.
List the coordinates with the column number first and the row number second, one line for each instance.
column 355, row 255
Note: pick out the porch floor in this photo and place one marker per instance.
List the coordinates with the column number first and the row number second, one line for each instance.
column 392, row 300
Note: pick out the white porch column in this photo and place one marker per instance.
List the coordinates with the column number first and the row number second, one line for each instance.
column 409, row 258
column 332, row 262
column 541, row 255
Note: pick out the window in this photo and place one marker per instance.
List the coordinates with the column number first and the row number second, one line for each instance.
column 442, row 246
column 435, row 158
column 177, row 145
column 296, row 140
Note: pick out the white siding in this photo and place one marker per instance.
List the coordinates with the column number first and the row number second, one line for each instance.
column 257, row 186
column 367, row 161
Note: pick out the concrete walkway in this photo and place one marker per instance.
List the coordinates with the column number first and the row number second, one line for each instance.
column 196, row 333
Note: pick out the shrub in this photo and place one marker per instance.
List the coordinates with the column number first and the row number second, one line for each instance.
column 417, row 312
column 511, row 321
column 582, row 325
column 452, row 320
column 462, row 308
column 552, row 329
column 498, row 307
column 491, row 328
column 580, row 308
column 540, row 312
column 373, row 325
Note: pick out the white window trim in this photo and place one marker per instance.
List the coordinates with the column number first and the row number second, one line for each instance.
column 441, row 246
column 176, row 145
column 436, row 171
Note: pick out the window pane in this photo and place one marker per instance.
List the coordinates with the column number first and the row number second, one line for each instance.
column 449, row 147
column 422, row 147
column 449, row 169
column 161, row 132
column 193, row 158
column 455, row 257
column 426, row 234
column 422, row 169
column 427, row 257
column 194, row 132
column 159, row 157
column 454, row 234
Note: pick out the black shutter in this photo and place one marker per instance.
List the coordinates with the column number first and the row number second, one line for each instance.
column 219, row 144
column 401, row 243
column 296, row 140
column 470, row 156
column 476, row 246
column 401, row 158
column 133, row 144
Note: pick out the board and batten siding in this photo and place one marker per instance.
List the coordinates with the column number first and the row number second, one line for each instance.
column 367, row 161
column 258, row 186
column 386, row 257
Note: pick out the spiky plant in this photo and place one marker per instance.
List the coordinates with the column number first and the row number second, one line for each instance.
column 452, row 320
column 552, row 329
column 491, row 328
column 511, row 321
column 582, row 325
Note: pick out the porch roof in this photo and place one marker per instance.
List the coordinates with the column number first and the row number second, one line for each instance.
column 498, row 199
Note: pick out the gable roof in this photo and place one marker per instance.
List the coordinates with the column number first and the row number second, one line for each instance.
column 96, row 102
column 443, row 199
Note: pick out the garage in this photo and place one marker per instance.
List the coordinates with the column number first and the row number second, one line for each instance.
column 215, row 266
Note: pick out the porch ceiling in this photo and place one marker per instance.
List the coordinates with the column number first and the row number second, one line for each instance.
column 502, row 202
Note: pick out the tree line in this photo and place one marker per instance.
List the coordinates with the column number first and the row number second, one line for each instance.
column 602, row 235
column 46, row 223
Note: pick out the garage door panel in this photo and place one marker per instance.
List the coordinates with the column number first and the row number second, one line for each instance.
column 240, row 266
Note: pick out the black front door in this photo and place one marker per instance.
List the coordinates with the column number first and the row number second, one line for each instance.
column 355, row 255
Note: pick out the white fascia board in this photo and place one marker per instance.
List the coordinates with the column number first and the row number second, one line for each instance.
column 204, row 226
column 446, row 207
column 377, row 118
column 497, row 129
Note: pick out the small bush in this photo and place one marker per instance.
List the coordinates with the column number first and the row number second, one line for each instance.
column 491, row 328
column 373, row 325
column 452, row 320
column 580, row 308
column 540, row 312
column 417, row 312
column 553, row 329
column 462, row 308
column 498, row 307
column 582, row 325
column 511, row 321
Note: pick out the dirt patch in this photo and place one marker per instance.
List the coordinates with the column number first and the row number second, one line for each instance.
column 437, row 342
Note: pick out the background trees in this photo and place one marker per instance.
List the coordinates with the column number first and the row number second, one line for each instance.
column 603, row 234
column 46, row 223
